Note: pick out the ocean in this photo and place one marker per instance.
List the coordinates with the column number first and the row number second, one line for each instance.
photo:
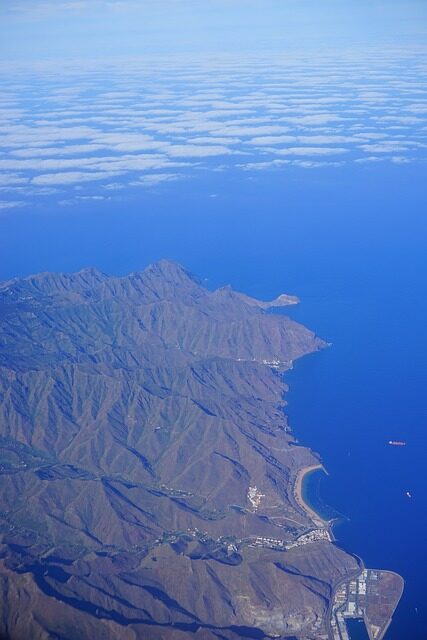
column 347, row 403
column 350, row 242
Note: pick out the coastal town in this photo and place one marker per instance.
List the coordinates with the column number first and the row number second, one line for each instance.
column 315, row 535
column 368, row 598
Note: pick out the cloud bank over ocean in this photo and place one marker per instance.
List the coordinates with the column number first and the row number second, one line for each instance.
column 98, row 127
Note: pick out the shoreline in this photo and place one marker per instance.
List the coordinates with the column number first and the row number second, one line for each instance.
column 298, row 495
column 384, row 630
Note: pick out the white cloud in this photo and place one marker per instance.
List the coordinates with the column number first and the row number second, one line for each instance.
column 272, row 140
column 244, row 131
column 152, row 180
column 400, row 160
column 22, row 134
column 12, row 204
column 72, row 177
column 389, row 146
column 262, row 166
column 311, row 151
column 315, row 119
column 196, row 151
column 214, row 140
column 114, row 186
column 401, row 119
column 369, row 159
column 306, row 139
column 314, row 164
column 102, row 120
column 48, row 152
column 8, row 179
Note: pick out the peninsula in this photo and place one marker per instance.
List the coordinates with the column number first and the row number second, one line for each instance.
column 151, row 485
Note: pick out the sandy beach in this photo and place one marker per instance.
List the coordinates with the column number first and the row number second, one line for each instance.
column 319, row 521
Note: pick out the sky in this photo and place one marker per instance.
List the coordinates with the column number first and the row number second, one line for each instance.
column 49, row 28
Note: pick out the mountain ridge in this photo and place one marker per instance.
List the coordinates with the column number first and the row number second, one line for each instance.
column 144, row 451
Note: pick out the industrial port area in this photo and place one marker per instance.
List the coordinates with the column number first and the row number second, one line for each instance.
column 371, row 598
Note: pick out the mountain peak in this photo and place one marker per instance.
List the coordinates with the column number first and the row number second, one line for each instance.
column 92, row 272
column 171, row 270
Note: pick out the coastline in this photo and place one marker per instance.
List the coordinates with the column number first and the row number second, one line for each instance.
column 401, row 580
column 298, row 495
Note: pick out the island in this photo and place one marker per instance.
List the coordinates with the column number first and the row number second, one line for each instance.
column 151, row 484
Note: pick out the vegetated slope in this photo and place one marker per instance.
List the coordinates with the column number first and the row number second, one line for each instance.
column 143, row 449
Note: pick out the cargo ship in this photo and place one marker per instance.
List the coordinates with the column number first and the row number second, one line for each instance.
column 397, row 443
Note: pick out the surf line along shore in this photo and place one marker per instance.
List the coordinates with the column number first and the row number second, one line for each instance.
column 298, row 493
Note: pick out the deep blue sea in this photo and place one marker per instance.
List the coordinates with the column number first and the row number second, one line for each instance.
column 351, row 243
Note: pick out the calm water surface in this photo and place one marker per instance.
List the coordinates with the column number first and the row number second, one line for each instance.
column 357, row 630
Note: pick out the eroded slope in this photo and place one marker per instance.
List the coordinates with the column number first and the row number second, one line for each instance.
column 144, row 453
